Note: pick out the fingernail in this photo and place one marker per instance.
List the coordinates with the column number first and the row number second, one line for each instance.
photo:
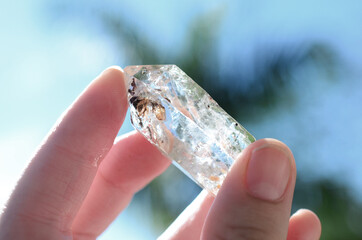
column 268, row 172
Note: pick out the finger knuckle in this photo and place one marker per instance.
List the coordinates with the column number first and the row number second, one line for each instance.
column 234, row 229
column 250, row 232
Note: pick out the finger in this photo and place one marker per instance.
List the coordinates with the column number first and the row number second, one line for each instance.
column 189, row 224
column 255, row 199
column 59, row 176
column 304, row 225
column 129, row 166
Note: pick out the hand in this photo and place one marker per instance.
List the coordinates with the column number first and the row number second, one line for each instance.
column 81, row 179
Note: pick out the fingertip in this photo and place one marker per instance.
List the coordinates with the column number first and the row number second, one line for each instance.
column 304, row 224
column 278, row 146
column 113, row 76
column 106, row 96
column 269, row 169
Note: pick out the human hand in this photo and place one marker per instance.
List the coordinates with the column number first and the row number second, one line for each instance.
column 80, row 179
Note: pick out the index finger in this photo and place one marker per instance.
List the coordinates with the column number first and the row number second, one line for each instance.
column 54, row 185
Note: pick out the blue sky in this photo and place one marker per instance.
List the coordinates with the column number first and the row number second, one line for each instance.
column 46, row 61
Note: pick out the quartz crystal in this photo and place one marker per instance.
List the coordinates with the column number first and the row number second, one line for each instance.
column 184, row 123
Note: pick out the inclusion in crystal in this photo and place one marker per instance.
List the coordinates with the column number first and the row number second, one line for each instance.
column 181, row 119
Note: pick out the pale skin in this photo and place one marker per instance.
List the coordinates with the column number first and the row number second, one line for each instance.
column 82, row 177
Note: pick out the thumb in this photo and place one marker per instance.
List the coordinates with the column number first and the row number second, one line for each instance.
column 255, row 199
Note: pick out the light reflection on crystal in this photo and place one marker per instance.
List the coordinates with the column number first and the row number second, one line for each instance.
column 185, row 123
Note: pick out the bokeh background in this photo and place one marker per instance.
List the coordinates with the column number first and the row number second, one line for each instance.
column 284, row 69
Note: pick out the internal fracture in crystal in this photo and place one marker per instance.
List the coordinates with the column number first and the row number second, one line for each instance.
column 185, row 123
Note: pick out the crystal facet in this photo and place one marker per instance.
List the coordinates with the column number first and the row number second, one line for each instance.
column 185, row 123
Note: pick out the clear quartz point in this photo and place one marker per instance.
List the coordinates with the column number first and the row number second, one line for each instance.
column 181, row 119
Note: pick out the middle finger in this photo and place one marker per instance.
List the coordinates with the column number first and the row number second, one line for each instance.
column 131, row 164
